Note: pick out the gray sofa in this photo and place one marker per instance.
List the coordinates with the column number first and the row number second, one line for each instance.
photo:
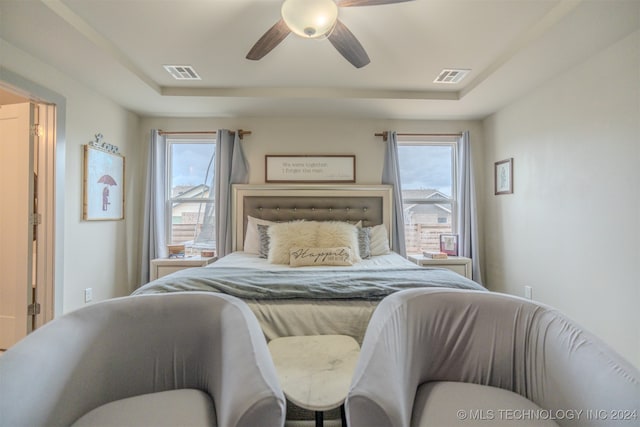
column 463, row 358
column 154, row 360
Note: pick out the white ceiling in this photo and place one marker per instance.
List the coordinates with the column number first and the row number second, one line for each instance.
column 119, row 47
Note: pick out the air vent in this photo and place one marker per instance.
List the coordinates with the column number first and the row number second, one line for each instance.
column 182, row 72
column 451, row 75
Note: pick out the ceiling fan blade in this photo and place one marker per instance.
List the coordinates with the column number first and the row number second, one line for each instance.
column 269, row 40
column 350, row 3
column 348, row 45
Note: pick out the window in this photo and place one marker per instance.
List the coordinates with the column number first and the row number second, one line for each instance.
column 190, row 202
column 428, row 179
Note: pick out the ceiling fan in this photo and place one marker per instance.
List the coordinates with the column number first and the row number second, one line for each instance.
column 315, row 19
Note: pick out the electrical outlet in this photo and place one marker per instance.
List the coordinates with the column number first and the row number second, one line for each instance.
column 88, row 295
column 528, row 292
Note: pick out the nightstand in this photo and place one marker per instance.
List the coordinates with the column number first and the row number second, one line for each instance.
column 162, row 266
column 459, row 264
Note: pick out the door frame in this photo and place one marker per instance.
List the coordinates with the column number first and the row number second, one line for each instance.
column 44, row 152
column 52, row 301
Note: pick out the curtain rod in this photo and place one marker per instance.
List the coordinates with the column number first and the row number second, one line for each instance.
column 241, row 132
column 385, row 134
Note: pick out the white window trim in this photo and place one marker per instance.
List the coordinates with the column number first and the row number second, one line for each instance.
column 168, row 199
column 453, row 201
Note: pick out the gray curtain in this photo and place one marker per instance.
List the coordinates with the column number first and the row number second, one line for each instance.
column 231, row 168
column 154, row 243
column 391, row 175
column 467, row 210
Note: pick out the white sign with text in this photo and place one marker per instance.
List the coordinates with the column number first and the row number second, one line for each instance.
column 310, row 168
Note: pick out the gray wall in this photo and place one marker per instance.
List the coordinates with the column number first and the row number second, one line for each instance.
column 572, row 226
column 282, row 135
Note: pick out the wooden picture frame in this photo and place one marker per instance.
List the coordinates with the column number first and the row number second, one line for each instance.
column 103, row 185
column 310, row 168
column 449, row 244
column 503, row 177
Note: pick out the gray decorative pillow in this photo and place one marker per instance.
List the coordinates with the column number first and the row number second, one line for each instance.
column 251, row 242
column 364, row 242
column 264, row 240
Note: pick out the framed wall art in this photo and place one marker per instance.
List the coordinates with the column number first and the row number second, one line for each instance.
column 308, row 169
column 103, row 185
column 503, row 176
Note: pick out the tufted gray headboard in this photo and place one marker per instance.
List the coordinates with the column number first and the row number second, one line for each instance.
column 370, row 204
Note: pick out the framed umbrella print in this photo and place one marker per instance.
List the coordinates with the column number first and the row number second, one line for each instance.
column 103, row 179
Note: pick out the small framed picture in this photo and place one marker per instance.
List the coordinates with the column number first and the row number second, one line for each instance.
column 449, row 244
column 503, row 176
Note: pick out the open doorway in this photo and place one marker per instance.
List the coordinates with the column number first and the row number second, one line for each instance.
column 28, row 134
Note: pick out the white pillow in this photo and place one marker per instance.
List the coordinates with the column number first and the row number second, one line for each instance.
column 251, row 237
column 287, row 235
column 320, row 256
column 335, row 234
column 379, row 240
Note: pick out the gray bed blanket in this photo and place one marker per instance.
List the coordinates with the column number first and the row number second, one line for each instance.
column 248, row 283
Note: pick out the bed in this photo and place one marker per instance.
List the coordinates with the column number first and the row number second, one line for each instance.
column 310, row 299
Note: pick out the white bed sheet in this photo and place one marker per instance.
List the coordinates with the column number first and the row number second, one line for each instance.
column 281, row 318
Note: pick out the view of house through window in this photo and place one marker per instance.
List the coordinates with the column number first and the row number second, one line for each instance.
column 190, row 202
column 427, row 176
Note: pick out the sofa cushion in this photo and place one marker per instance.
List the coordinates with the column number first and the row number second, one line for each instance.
column 445, row 403
column 186, row 407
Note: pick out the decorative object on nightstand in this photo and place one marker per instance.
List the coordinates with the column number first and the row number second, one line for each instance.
column 176, row 251
column 459, row 264
column 435, row 255
column 160, row 267
column 449, row 244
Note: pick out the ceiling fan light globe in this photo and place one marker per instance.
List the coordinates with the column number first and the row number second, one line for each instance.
column 310, row 18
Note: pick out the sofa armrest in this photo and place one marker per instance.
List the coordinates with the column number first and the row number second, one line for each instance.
column 246, row 389
column 136, row 345
column 490, row 339
column 383, row 386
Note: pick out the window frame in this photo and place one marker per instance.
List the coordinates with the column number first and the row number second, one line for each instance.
column 169, row 200
column 453, row 200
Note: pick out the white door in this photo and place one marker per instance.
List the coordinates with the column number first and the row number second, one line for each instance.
column 16, row 233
